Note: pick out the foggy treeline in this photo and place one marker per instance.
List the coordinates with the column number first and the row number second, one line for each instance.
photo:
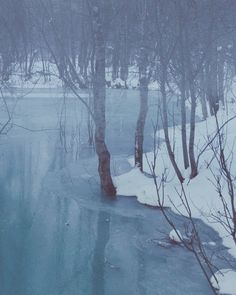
column 187, row 46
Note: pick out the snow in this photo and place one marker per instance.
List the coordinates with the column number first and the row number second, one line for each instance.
column 201, row 191
column 39, row 80
column 175, row 236
column 118, row 83
column 153, row 85
column 49, row 78
column 134, row 183
column 226, row 281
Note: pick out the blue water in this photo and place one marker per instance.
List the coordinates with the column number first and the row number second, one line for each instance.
column 58, row 235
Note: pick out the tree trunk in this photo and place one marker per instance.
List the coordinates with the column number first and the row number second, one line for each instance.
column 193, row 164
column 143, row 84
column 190, row 75
column 183, row 128
column 99, row 93
column 115, row 60
column 183, row 86
column 139, row 133
column 183, row 106
column 203, row 95
column 212, row 91
column 165, row 126
column 124, row 69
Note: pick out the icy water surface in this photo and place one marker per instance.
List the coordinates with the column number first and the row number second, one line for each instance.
column 58, row 235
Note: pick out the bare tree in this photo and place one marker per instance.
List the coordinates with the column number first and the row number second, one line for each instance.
column 166, row 43
column 191, row 239
column 227, row 218
column 143, row 84
column 99, row 96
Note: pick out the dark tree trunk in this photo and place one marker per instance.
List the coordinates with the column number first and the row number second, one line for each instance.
column 139, row 133
column 189, row 68
column 183, row 99
column 90, row 124
column 124, row 50
column 143, row 84
column 165, row 125
column 115, row 60
column 99, row 254
column 212, row 92
column 183, row 128
column 193, row 164
column 182, row 84
column 99, row 92
column 203, row 95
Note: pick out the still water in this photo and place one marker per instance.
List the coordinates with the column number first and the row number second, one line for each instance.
column 58, row 235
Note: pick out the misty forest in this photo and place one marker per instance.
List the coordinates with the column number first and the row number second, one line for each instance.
column 117, row 147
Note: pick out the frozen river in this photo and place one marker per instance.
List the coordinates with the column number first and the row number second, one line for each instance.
column 58, row 235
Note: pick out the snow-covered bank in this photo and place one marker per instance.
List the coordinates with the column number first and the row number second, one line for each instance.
column 48, row 78
column 226, row 281
column 201, row 191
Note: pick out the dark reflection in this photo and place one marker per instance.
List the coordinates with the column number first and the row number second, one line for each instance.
column 141, row 263
column 99, row 259
column 59, row 241
column 16, row 217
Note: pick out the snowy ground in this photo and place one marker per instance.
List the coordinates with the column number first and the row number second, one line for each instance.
column 49, row 79
column 201, row 192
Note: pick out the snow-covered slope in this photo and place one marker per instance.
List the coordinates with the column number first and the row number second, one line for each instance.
column 200, row 191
